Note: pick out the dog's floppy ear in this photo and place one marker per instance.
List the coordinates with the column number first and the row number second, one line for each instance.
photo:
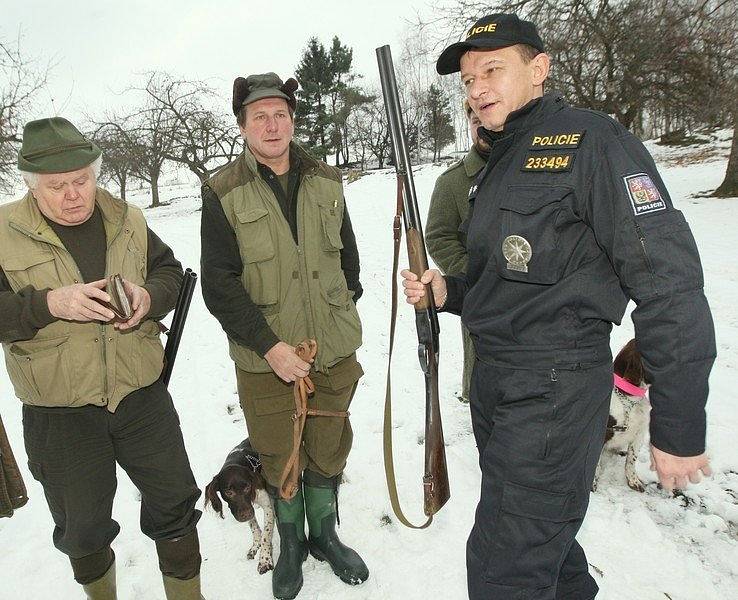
column 629, row 365
column 212, row 498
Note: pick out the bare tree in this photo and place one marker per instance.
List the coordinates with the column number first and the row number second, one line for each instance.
column 729, row 187
column 21, row 79
column 202, row 139
column 151, row 143
column 115, row 143
column 370, row 130
column 147, row 139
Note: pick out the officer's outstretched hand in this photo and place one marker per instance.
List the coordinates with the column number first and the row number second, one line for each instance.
column 79, row 302
column 675, row 472
column 140, row 303
column 285, row 362
column 415, row 290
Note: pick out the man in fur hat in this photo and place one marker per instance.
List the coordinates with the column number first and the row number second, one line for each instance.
column 280, row 266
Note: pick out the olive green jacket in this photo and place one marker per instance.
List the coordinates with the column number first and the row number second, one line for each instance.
column 449, row 208
column 68, row 363
column 300, row 289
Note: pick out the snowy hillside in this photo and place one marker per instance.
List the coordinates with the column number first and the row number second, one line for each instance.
column 641, row 546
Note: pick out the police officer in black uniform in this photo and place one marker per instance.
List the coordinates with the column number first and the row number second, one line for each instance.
column 568, row 221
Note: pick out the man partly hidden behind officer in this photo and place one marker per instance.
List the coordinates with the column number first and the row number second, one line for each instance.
column 90, row 384
column 569, row 220
column 280, row 266
column 449, row 207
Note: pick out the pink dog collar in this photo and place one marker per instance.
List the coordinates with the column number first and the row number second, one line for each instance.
column 627, row 387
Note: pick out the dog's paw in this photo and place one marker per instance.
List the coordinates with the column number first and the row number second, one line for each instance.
column 252, row 552
column 265, row 564
column 636, row 485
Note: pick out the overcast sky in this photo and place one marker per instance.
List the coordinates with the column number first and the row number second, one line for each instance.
column 99, row 48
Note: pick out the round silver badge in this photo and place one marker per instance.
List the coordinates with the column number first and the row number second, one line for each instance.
column 518, row 252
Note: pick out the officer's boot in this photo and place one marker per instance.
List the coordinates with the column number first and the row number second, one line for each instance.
column 321, row 507
column 293, row 550
column 179, row 562
column 103, row 588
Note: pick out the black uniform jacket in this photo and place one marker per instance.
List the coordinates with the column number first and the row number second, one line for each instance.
column 569, row 220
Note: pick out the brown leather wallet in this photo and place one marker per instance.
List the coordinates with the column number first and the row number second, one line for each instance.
column 119, row 302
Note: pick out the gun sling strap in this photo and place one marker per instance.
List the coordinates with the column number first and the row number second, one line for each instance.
column 389, row 462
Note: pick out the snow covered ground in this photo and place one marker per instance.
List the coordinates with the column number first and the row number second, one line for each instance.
column 641, row 546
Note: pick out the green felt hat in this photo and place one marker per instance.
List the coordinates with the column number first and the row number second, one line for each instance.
column 54, row 146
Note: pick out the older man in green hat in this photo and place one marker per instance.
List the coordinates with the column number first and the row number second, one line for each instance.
column 279, row 266
column 89, row 380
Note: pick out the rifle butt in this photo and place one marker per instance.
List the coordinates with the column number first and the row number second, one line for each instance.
column 436, row 490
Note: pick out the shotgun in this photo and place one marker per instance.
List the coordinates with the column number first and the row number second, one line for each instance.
column 174, row 334
column 435, row 480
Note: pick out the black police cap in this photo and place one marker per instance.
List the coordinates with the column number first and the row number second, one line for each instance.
column 490, row 32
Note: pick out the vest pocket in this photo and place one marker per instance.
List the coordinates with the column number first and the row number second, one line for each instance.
column 150, row 352
column 34, row 269
column 342, row 334
column 40, row 372
column 260, row 276
column 330, row 217
column 134, row 263
column 528, row 248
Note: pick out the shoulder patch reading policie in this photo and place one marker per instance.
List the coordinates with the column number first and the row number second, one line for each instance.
column 557, row 141
column 643, row 193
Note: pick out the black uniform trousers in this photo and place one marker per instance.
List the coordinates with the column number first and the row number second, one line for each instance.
column 72, row 452
column 539, row 432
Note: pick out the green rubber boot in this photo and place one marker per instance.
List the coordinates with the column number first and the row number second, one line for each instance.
column 321, row 507
column 293, row 549
column 103, row 588
column 182, row 589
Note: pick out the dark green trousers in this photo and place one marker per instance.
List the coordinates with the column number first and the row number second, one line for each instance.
column 72, row 452
column 268, row 405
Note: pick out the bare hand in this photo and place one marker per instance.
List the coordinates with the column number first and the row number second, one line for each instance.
column 285, row 363
column 140, row 303
column 415, row 290
column 79, row 302
column 675, row 472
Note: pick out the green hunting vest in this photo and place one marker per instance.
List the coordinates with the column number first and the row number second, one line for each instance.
column 300, row 289
column 69, row 363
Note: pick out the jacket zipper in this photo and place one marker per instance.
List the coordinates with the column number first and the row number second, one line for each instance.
column 103, row 339
column 547, row 449
column 642, row 240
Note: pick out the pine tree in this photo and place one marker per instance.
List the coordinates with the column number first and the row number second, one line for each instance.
column 439, row 128
column 326, row 99
column 315, row 77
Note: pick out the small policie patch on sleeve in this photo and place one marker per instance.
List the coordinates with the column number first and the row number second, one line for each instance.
column 643, row 193
column 548, row 163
